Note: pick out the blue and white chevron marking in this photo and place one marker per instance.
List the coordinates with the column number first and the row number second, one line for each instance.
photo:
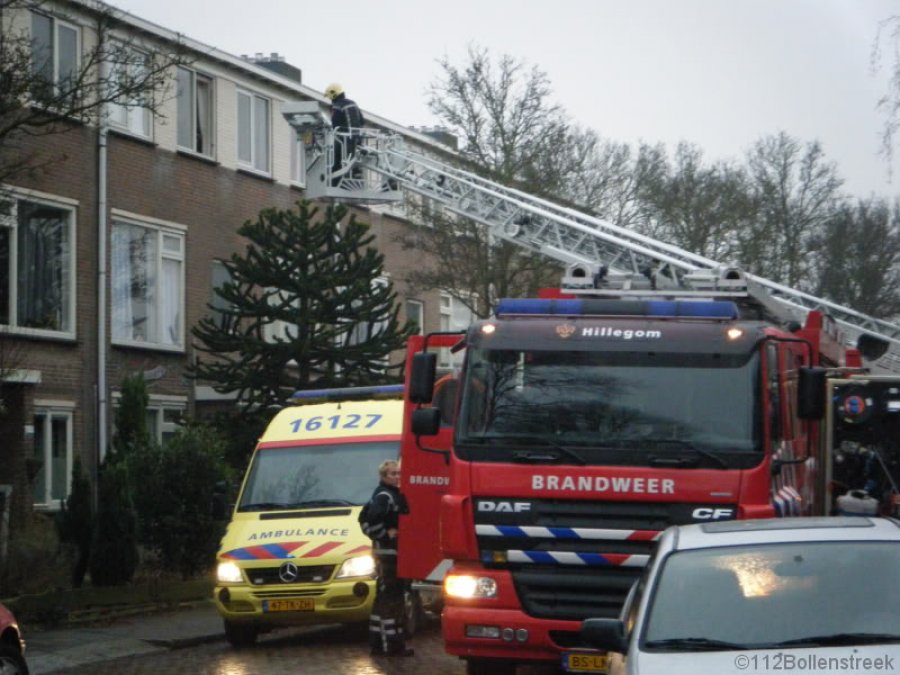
column 533, row 531
column 573, row 558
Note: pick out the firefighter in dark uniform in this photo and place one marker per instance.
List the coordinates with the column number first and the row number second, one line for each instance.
column 387, row 634
column 346, row 119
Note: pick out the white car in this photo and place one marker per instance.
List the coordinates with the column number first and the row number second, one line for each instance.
column 810, row 595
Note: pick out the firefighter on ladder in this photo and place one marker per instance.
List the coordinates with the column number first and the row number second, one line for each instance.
column 346, row 120
column 387, row 624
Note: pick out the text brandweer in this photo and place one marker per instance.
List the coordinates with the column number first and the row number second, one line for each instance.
column 604, row 484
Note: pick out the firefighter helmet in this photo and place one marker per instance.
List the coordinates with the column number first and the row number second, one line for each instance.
column 332, row 91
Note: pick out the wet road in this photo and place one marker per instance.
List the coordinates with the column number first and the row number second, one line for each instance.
column 326, row 651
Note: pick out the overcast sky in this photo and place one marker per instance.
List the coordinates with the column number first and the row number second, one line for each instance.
column 718, row 73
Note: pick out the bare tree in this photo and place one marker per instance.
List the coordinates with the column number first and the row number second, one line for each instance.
column 888, row 35
column 40, row 94
column 796, row 189
column 511, row 133
column 699, row 206
column 859, row 261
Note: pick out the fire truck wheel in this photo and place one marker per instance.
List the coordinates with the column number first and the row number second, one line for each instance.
column 415, row 613
column 240, row 635
column 489, row 667
column 12, row 661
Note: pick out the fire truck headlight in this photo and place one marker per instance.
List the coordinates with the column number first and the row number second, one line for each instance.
column 467, row 587
column 360, row 566
column 228, row 573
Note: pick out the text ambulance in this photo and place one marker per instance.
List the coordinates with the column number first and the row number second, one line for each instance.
column 293, row 553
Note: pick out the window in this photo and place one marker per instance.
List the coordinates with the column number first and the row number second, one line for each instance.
column 415, row 312
column 218, row 305
column 147, row 285
column 455, row 315
column 195, row 111
column 298, row 159
column 164, row 419
column 253, row 131
column 54, row 57
column 37, row 284
column 129, row 67
column 364, row 331
column 279, row 330
column 52, row 453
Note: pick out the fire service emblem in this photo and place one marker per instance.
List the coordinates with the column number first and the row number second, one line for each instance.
column 565, row 330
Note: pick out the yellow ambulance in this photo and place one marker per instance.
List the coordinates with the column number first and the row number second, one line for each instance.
column 293, row 552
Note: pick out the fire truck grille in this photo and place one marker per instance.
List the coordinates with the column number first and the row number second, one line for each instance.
column 306, row 574
column 573, row 594
column 574, row 559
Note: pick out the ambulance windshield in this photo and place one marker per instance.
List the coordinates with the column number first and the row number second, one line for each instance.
column 603, row 407
column 314, row 475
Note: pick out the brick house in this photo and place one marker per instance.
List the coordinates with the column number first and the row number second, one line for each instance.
column 109, row 256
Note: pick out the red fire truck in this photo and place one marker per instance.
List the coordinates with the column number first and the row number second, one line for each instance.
column 582, row 428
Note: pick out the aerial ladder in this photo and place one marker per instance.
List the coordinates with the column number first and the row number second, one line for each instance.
column 596, row 253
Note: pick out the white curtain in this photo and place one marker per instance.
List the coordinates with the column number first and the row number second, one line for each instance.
column 122, row 318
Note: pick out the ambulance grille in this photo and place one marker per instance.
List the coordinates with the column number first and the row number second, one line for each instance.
column 306, row 574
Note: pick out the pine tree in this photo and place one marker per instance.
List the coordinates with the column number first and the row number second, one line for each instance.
column 304, row 306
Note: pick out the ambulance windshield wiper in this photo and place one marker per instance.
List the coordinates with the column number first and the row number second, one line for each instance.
column 322, row 502
column 264, row 506
column 536, row 457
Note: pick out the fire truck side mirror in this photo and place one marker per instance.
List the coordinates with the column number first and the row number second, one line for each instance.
column 426, row 421
column 811, row 394
column 421, row 378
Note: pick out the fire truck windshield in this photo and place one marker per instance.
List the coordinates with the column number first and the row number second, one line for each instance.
column 611, row 408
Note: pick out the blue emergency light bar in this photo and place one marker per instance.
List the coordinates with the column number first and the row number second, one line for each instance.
column 342, row 393
column 707, row 309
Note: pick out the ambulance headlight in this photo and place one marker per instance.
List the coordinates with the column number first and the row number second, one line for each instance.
column 360, row 566
column 468, row 587
column 228, row 573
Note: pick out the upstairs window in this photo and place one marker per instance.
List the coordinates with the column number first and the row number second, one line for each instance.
column 253, row 131
column 298, row 159
column 54, row 58
column 195, row 112
column 129, row 113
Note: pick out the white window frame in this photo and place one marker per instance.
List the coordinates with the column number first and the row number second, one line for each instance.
column 298, row 159
column 162, row 234
column 257, row 161
column 48, row 410
column 9, row 210
column 280, row 330
column 56, row 25
column 192, row 98
column 157, row 407
column 419, row 312
column 451, row 309
column 133, row 116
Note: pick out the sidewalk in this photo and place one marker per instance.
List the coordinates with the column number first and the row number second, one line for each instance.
column 50, row 650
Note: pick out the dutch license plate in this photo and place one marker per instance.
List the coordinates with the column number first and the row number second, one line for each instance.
column 575, row 662
column 295, row 605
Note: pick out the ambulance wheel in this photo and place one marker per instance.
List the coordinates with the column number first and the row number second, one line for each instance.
column 415, row 613
column 240, row 634
column 489, row 667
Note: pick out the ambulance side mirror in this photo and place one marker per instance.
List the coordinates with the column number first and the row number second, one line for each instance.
column 421, row 377
column 811, row 393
